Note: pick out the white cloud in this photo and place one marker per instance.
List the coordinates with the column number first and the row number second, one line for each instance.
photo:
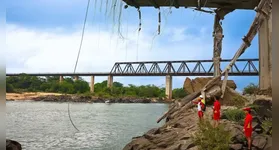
column 34, row 50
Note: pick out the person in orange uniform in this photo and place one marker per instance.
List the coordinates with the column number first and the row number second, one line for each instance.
column 216, row 112
column 248, row 126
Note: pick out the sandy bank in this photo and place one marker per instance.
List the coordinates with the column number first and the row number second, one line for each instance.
column 27, row 95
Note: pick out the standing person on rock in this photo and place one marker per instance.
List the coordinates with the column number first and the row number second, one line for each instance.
column 216, row 111
column 200, row 105
column 248, row 126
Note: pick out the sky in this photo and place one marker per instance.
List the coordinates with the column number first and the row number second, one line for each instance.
column 44, row 36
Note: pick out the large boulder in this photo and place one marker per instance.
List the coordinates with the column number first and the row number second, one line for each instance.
column 175, row 134
column 194, row 85
column 264, row 109
column 12, row 145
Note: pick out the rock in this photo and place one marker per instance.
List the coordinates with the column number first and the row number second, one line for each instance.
column 194, row 85
column 188, row 85
column 236, row 146
column 12, row 145
column 175, row 134
column 259, row 141
column 265, row 108
column 236, row 131
column 268, row 145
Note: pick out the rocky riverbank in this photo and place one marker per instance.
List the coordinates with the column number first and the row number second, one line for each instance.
column 74, row 98
column 177, row 133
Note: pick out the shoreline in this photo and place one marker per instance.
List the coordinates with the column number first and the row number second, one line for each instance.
column 57, row 97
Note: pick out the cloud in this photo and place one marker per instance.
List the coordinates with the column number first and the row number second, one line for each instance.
column 45, row 50
column 54, row 49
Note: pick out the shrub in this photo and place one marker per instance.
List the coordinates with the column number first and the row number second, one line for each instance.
column 267, row 126
column 208, row 137
column 236, row 115
column 251, row 89
column 239, row 101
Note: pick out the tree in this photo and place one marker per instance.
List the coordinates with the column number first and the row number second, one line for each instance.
column 178, row 93
column 9, row 88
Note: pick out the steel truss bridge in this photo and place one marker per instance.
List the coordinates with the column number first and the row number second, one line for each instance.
column 242, row 67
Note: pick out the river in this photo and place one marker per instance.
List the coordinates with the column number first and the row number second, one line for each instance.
column 46, row 125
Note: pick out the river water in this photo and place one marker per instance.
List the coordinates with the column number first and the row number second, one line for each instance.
column 46, row 125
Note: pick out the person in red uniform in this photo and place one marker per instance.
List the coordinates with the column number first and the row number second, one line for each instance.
column 200, row 106
column 216, row 112
column 248, row 126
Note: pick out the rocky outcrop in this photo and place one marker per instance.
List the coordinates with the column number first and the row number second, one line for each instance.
column 12, row 145
column 182, row 123
column 194, row 85
column 264, row 109
column 175, row 134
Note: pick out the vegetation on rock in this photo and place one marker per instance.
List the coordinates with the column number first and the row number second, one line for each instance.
column 251, row 89
column 208, row 137
column 236, row 115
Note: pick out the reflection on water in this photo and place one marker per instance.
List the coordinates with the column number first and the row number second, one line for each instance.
column 44, row 125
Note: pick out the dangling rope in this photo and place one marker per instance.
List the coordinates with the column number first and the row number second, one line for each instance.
column 81, row 41
column 138, row 32
column 159, row 28
column 106, row 8
column 159, row 24
column 139, row 19
column 119, row 20
column 101, row 6
column 126, row 44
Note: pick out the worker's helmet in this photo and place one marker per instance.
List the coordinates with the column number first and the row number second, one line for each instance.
column 201, row 96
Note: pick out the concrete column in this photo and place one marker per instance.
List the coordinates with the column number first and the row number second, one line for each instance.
column 110, row 81
column 92, row 84
column 75, row 78
column 169, row 87
column 61, row 79
column 265, row 78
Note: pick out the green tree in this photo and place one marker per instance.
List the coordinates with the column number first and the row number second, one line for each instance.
column 81, row 86
column 9, row 88
column 178, row 93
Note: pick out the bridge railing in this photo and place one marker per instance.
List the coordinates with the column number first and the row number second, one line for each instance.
column 194, row 67
column 242, row 67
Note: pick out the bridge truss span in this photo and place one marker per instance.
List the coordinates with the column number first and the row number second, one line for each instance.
column 183, row 68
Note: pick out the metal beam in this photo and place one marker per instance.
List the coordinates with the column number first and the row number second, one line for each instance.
column 233, row 4
column 173, row 68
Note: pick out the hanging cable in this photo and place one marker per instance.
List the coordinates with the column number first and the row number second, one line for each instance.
column 106, row 8
column 138, row 32
column 159, row 28
column 81, row 41
column 119, row 20
column 159, row 23
column 139, row 19
column 126, row 44
column 101, row 6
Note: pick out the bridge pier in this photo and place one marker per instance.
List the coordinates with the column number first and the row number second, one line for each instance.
column 92, row 82
column 265, row 72
column 61, row 79
column 218, row 38
column 110, row 81
column 168, row 87
column 75, row 78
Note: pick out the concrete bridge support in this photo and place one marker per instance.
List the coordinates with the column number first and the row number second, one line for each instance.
column 75, row 78
column 265, row 32
column 61, row 79
column 92, row 82
column 169, row 87
column 110, row 81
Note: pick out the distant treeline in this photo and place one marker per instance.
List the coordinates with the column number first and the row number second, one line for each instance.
column 25, row 83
